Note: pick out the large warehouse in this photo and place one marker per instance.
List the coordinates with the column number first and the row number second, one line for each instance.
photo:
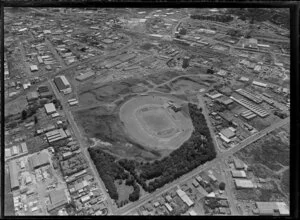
column 62, row 84
column 38, row 160
column 13, row 172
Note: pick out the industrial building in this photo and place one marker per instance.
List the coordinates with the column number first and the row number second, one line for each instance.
column 184, row 197
column 243, row 184
column 225, row 101
column 50, row 108
column 38, row 160
column 214, row 95
column 58, row 199
column 256, row 109
column 14, row 175
column 228, row 133
column 272, row 208
column 249, row 95
column 33, row 68
column 238, row 174
column 248, row 115
column 238, row 164
column 260, row 84
column 85, row 76
column 244, row 79
column 62, row 84
column 16, row 151
column 56, row 135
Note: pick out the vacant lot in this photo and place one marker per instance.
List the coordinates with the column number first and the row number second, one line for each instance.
column 16, row 106
column 272, row 193
column 269, row 151
column 285, row 182
column 91, row 94
column 185, row 84
column 164, row 77
column 164, row 89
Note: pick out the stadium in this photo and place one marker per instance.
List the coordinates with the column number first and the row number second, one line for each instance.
column 156, row 122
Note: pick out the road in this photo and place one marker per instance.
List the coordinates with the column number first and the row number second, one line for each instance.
column 82, row 145
column 131, row 206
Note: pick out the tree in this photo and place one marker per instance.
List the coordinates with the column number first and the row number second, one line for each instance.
column 35, row 119
column 222, row 186
column 182, row 31
column 24, row 114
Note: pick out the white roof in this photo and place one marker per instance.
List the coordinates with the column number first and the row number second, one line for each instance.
column 192, row 212
column 50, row 108
column 184, row 197
column 244, row 183
column 259, row 83
column 283, row 208
column 211, row 195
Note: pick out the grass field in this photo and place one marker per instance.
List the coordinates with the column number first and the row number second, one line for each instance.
column 16, row 106
column 157, row 120
column 123, row 191
column 145, row 131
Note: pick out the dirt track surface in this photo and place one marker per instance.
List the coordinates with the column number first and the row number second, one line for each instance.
column 137, row 113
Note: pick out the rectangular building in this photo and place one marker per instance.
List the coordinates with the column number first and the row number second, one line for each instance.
column 38, row 160
column 260, row 84
column 243, row 184
column 272, row 208
column 14, row 174
column 256, row 109
column 50, row 108
column 249, row 95
column 85, row 76
column 184, row 197
column 238, row 174
column 62, row 84
column 58, row 199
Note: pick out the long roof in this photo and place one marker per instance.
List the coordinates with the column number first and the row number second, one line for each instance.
column 60, row 83
column 13, row 171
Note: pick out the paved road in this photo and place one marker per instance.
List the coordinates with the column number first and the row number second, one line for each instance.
column 130, row 207
column 82, row 145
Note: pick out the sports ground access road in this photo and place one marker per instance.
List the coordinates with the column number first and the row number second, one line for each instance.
column 130, row 207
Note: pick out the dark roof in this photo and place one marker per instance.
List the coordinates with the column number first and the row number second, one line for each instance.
column 59, row 83
column 58, row 198
column 43, row 89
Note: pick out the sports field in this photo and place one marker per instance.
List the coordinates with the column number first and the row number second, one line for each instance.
column 151, row 122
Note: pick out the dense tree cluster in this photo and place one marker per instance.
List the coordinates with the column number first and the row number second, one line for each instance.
column 219, row 18
column 194, row 152
column 197, row 150
column 108, row 170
